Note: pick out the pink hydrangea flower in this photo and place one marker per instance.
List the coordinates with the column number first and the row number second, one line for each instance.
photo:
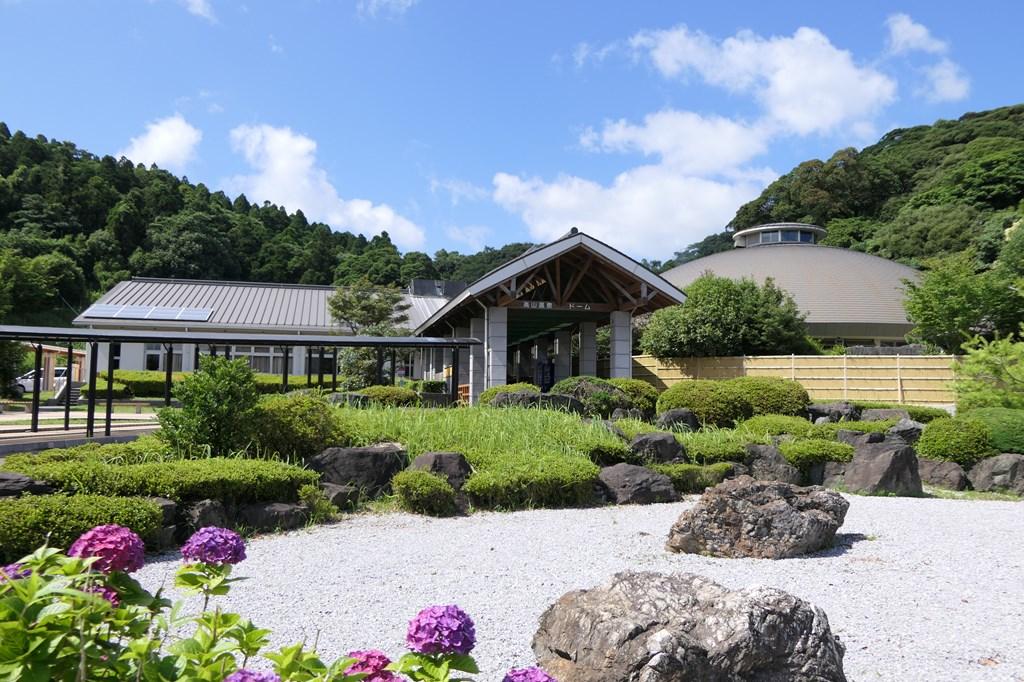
column 373, row 662
column 244, row 675
column 116, row 548
column 215, row 546
column 108, row 593
column 14, row 572
column 531, row 674
column 441, row 630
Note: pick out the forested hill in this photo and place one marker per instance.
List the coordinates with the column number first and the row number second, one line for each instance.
column 72, row 224
column 918, row 193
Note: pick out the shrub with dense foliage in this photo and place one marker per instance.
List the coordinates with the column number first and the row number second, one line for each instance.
column 776, row 425
column 773, row 395
column 803, row 453
column 600, row 397
column 715, row 403
column 217, row 405
column 391, row 396
column 118, row 391
column 1005, row 425
column 296, row 425
column 919, row 413
column 693, row 478
column 491, row 393
column 959, row 439
column 643, row 395
column 150, row 383
column 424, row 492
column 991, row 374
column 830, row 430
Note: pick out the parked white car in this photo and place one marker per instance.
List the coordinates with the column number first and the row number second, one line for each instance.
column 26, row 379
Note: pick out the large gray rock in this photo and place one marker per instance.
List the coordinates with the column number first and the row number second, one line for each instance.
column 652, row 627
column 883, row 468
column 341, row 496
column 548, row 401
column 599, row 398
column 678, row 419
column 881, row 415
column 168, row 508
column 368, row 468
column 451, row 465
column 766, row 463
column 270, row 516
column 631, row 484
column 15, row 485
column 942, row 474
column 742, row 517
column 1000, row 473
column 858, row 438
column 204, row 513
column 627, row 413
column 906, row 429
column 656, row 447
column 834, row 412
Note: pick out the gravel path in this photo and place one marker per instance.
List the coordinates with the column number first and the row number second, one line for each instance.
column 918, row 589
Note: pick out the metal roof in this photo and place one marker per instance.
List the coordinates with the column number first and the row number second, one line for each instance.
column 829, row 284
column 239, row 305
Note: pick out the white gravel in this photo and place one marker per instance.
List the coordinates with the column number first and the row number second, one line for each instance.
column 919, row 589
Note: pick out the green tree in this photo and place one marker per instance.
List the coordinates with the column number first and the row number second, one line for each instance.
column 364, row 305
column 991, row 373
column 417, row 265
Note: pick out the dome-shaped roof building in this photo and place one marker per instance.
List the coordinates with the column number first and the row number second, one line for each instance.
column 848, row 297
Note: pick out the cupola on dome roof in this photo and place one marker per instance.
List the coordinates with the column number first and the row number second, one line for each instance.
column 778, row 233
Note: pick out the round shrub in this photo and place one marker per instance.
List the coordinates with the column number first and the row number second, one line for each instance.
column 803, row 453
column 773, row 395
column 1005, row 425
column 963, row 440
column 296, row 425
column 714, row 403
column 423, row 492
column 489, row 394
column 776, row 425
column 599, row 396
column 643, row 395
column 391, row 396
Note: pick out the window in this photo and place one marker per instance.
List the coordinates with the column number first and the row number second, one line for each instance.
column 806, row 237
column 790, row 235
column 769, row 237
column 155, row 355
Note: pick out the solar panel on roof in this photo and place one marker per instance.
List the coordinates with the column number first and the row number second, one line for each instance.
column 143, row 312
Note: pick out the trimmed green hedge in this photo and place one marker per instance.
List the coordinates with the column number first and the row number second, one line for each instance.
column 919, row 413
column 25, row 522
column 145, row 449
column 296, row 425
column 600, row 397
column 544, row 482
column 1005, row 425
column 643, row 395
column 803, row 453
column 423, row 492
column 228, row 480
column 776, row 425
column 491, row 393
column 963, row 440
column 150, row 384
column 773, row 395
column 714, row 403
column 121, row 391
column 391, row 396
column 829, row 430
column 693, row 478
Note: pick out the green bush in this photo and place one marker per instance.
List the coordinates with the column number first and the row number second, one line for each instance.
column 829, row 430
column 423, row 492
column 150, row 384
column 430, row 386
column 543, row 483
column 803, row 453
column 643, row 395
column 599, row 396
column 390, row 396
column 30, row 521
column 121, row 392
column 776, row 425
column 296, row 425
column 693, row 478
column 919, row 413
column 773, row 395
column 489, row 394
column 963, row 440
column 228, row 480
column 321, row 510
column 144, row 449
column 714, row 403
column 1005, row 425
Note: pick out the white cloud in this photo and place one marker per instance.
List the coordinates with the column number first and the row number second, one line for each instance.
column 458, row 190
column 286, row 173
column 906, row 35
column 275, row 46
column 392, row 8
column 200, row 8
column 473, row 236
column 804, row 83
column 169, row 143
column 947, row 82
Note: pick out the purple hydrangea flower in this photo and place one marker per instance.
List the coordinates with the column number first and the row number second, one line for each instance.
column 531, row 674
column 108, row 593
column 244, row 675
column 216, row 546
column 117, row 548
column 14, row 572
column 373, row 662
column 441, row 630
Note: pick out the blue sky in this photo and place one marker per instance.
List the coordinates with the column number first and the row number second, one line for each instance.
column 457, row 124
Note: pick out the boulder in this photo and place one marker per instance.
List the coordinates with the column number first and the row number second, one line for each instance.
column 766, row 463
column 165, row 539
column 742, row 517
column 630, row 413
column 883, row 468
column 678, row 419
column 169, row 509
column 204, row 513
column 549, row 401
column 907, row 430
column 881, row 415
column 858, row 438
column 15, row 485
column 656, row 447
column 367, row 468
column 603, row 398
column 632, row 484
column 653, row 627
column 341, row 496
column 833, row 411
column 451, row 465
column 942, row 474
column 1000, row 473
column 270, row 516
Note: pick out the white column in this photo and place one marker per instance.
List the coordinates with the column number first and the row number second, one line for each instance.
column 497, row 346
column 298, row 356
column 621, row 361
column 588, row 349
column 563, row 355
column 477, row 370
column 133, row 356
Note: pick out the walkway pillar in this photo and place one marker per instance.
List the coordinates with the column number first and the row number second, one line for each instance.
column 621, row 360
column 477, row 371
column 497, row 346
column 588, row 349
column 563, row 355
